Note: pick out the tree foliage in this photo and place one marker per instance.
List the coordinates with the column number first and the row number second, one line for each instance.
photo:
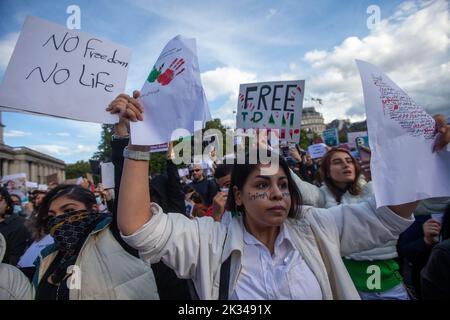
column 77, row 169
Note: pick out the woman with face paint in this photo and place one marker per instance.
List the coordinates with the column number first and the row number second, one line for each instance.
column 85, row 262
column 274, row 249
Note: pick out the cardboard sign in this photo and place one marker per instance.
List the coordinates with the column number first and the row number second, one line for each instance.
column 51, row 178
column 404, row 168
column 172, row 96
column 272, row 105
column 107, row 174
column 64, row 73
column 317, row 150
column 331, row 137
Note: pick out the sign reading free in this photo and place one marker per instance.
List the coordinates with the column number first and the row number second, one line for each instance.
column 272, row 105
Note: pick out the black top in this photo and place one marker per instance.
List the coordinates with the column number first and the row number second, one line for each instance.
column 48, row 291
column 436, row 275
column 17, row 238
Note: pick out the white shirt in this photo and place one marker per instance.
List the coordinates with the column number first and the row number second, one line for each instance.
column 30, row 255
column 283, row 276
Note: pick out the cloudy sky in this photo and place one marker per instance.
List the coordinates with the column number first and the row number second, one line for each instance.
column 250, row 41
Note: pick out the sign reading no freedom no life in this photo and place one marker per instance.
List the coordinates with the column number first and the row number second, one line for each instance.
column 64, row 73
column 272, row 105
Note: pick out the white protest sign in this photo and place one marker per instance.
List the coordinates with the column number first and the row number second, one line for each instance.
column 64, row 73
column 107, row 174
column 331, row 137
column 317, row 150
column 401, row 136
column 31, row 185
column 172, row 95
column 272, row 105
column 183, row 172
column 351, row 137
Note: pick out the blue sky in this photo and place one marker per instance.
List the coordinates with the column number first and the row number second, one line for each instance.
column 249, row 41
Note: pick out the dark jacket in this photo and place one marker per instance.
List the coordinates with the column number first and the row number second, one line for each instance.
column 17, row 237
column 436, row 274
column 412, row 247
column 167, row 192
column 207, row 189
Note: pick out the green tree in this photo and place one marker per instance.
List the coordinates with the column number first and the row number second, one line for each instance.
column 104, row 147
column 77, row 169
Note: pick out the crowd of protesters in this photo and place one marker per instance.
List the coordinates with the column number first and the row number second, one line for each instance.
column 309, row 231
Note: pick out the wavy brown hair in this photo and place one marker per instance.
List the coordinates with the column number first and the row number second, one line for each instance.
column 352, row 187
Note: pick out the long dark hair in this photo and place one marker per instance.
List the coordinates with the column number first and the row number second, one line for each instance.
column 9, row 203
column 352, row 187
column 239, row 177
column 74, row 192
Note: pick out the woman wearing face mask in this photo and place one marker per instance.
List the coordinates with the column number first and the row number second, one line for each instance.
column 85, row 246
column 275, row 249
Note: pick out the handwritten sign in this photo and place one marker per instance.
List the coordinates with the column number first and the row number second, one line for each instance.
column 64, row 73
column 331, row 137
column 351, row 138
column 317, row 150
column 172, row 95
column 401, row 135
column 272, row 105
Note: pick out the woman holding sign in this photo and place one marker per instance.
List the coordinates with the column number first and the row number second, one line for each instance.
column 275, row 249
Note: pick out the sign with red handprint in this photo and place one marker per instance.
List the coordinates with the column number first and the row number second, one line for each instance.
column 401, row 135
column 172, row 95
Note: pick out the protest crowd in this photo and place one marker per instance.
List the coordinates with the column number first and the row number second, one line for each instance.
column 234, row 226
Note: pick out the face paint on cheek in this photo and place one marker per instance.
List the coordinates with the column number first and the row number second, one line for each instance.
column 286, row 195
column 258, row 196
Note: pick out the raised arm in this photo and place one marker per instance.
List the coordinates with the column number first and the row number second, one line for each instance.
column 133, row 209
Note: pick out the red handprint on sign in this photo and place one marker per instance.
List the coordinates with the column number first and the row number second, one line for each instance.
column 171, row 72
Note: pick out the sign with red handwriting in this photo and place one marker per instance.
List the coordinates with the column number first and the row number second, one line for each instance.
column 401, row 136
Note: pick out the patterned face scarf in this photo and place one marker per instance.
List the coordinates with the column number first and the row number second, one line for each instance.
column 69, row 231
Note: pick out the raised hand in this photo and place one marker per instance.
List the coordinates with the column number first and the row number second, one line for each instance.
column 127, row 107
column 171, row 72
column 431, row 230
column 443, row 133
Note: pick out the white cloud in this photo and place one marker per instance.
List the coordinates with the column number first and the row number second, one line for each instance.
column 7, row 45
column 223, row 81
column 16, row 134
column 412, row 47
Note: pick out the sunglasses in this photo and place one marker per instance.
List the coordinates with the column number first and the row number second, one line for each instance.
column 197, row 170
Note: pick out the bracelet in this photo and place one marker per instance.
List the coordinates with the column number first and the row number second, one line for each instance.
column 136, row 155
column 116, row 137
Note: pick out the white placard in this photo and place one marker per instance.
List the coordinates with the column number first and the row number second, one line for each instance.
column 64, row 73
column 183, row 172
column 173, row 95
column 31, row 185
column 317, row 150
column 401, row 136
column 272, row 105
column 107, row 172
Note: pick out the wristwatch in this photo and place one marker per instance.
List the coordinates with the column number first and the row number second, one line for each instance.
column 136, row 155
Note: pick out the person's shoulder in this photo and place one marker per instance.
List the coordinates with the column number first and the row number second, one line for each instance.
column 444, row 247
